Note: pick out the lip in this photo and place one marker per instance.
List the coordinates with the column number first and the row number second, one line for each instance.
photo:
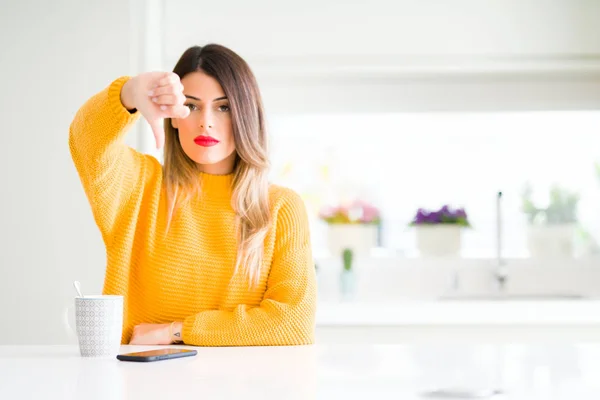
column 205, row 141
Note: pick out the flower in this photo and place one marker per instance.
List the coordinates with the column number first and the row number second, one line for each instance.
column 445, row 215
column 356, row 212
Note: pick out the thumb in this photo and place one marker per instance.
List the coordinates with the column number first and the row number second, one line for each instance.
column 181, row 111
column 159, row 131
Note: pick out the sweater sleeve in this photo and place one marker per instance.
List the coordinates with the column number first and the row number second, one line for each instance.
column 110, row 171
column 286, row 315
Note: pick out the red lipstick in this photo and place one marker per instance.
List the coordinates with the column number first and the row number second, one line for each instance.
column 205, row 141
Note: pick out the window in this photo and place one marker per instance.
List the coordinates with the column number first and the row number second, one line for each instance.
column 404, row 161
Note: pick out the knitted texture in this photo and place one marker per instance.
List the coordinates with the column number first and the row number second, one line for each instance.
column 188, row 273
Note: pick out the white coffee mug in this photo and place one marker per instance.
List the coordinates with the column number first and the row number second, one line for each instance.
column 98, row 325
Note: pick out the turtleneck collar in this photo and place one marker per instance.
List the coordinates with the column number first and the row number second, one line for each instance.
column 216, row 185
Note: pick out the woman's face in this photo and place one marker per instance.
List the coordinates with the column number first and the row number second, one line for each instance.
column 206, row 135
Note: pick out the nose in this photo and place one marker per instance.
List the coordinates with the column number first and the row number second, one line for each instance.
column 205, row 120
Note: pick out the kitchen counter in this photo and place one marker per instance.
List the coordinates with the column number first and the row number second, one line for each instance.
column 459, row 312
column 520, row 371
column 465, row 321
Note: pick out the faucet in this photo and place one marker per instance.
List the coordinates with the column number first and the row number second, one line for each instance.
column 500, row 273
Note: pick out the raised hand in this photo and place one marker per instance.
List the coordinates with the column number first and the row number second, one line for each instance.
column 156, row 95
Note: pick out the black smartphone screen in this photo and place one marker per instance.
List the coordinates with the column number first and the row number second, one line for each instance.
column 156, row 355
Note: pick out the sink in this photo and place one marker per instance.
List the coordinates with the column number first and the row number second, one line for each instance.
column 515, row 297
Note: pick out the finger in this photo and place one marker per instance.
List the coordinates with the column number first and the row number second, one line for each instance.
column 167, row 89
column 158, row 131
column 169, row 79
column 180, row 112
column 156, row 80
column 169, row 99
column 133, row 339
column 175, row 111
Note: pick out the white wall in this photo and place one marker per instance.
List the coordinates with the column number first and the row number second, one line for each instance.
column 55, row 54
column 387, row 56
column 264, row 29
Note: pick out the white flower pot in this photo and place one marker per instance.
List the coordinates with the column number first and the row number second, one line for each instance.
column 438, row 240
column 360, row 238
column 550, row 241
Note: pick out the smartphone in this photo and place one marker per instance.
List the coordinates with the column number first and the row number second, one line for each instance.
column 156, row 355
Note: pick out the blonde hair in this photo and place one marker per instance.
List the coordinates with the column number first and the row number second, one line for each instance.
column 250, row 191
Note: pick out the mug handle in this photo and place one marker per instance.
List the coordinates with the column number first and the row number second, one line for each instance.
column 68, row 327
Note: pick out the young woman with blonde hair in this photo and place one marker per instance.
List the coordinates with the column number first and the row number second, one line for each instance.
column 204, row 250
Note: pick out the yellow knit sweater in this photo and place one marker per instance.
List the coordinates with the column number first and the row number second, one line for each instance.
column 188, row 275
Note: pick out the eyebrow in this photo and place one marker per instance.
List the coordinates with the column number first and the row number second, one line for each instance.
column 197, row 99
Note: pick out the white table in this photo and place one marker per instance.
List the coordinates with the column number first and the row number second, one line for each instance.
column 523, row 371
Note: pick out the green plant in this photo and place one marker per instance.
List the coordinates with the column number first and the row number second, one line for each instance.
column 561, row 209
column 347, row 256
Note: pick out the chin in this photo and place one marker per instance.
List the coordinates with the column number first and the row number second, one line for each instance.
column 202, row 161
column 208, row 160
column 207, row 156
column 203, row 157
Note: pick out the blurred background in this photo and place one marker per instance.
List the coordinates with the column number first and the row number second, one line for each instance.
column 448, row 152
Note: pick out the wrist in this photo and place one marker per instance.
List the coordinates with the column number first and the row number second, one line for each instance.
column 175, row 332
column 128, row 95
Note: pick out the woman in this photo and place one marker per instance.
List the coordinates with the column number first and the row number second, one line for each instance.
column 204, row 250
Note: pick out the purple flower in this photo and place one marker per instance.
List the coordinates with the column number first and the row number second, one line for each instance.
column 445, row 215
column 422, row 216
column 436, row 217
column 460, row 213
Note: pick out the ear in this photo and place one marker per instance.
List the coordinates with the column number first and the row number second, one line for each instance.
column 174, row 123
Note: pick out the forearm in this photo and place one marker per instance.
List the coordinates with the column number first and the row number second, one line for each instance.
column 110, row 171
column 102, row 121
column 273, row 323
column 175, row 332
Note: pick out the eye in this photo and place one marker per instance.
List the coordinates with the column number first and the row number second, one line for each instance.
column 224, row 108
column 191, row 106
